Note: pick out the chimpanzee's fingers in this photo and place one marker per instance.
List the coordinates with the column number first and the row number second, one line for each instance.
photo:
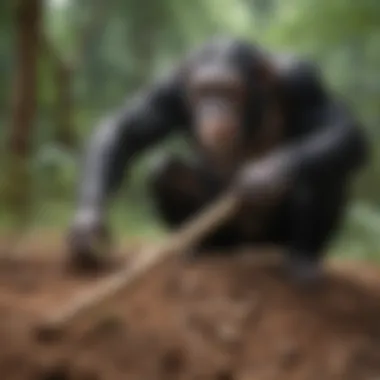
column 88, row 249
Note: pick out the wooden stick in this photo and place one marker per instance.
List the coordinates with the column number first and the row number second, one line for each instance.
column 185, row 238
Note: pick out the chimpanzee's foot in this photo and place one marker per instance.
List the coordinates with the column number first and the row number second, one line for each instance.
column 304, row 270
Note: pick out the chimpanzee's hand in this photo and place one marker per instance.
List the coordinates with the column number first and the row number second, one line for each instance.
column 88, row 241
column 266, row 180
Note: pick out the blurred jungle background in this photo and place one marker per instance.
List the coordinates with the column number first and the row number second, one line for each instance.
column 65, row 64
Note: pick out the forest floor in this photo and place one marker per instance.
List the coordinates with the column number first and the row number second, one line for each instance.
column 221, row 319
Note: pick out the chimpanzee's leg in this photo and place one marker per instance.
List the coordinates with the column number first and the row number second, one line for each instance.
column 179, row 190
column 311, row 216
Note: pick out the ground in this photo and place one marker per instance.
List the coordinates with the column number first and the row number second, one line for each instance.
column 219, row 319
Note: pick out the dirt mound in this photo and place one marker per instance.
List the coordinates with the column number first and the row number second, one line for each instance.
column 217, row 319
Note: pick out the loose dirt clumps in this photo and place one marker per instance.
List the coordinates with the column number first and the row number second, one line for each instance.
column 219, row 319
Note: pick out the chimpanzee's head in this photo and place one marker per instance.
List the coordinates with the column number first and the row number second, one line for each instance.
column 226, row 88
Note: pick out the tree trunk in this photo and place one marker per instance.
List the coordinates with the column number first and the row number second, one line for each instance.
column 27, row 20
column 28, row 17
column 65, row 132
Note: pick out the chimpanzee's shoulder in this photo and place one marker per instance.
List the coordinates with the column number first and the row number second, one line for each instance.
column 291, row 66
column 300, row 79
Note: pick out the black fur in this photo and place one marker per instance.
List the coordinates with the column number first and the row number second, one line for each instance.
column 322, row 139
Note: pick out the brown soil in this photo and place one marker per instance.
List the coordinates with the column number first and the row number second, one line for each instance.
column 219, row 319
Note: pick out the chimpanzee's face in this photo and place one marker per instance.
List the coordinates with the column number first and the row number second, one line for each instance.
column 217, row 95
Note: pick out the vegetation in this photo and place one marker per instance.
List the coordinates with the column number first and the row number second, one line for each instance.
column 66, row 63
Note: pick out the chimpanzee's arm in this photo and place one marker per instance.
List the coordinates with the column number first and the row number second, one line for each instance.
column 335, row 148
column 144, row 121
column 329, row 141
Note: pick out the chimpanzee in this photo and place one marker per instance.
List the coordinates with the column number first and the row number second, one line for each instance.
column 263, row 126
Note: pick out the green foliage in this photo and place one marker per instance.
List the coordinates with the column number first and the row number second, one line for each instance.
column 55, row 173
